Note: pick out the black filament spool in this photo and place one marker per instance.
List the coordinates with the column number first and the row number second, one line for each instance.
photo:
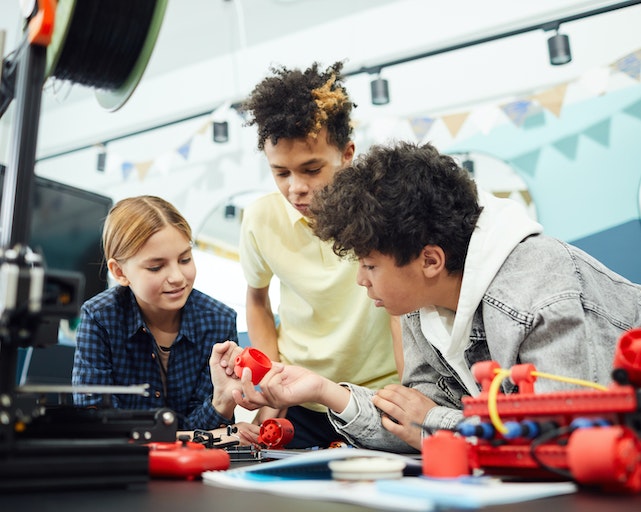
column 105, row 44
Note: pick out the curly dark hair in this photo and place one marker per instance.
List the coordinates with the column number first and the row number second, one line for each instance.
column 395, row 200
column 294, row 104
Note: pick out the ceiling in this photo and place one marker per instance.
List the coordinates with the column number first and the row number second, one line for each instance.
column 189, row 72
column 198, row 30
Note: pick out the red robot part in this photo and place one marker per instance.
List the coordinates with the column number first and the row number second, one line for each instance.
column 276, row 432
column 255, row 360
column 628, row 355
column 445, row 455
column 609, row 457
column 185, row 459
column 591, row 436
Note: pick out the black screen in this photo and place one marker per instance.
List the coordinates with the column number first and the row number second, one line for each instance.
column 66, row 227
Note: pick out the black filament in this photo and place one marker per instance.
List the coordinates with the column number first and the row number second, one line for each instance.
column 104, row 41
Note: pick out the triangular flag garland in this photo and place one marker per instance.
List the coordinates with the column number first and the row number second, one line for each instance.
column 527, row 162
column 523, row 112
column 184, row 149
column 630, row 65
column 552, row 99
column 421, row 126
column 599, row 132
column 634, row 110
column 518, row 111
column 454, row 122
column 143, row 169
column 567, row 146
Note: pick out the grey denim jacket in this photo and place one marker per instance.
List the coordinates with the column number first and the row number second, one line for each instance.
column 550, row 304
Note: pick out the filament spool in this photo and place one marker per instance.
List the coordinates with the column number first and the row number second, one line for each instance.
column 104, row 44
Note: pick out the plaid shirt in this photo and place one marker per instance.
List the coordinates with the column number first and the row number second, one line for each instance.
column 114, row 347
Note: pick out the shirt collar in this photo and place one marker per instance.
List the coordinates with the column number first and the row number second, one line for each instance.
column 293, row 214
column 188, row 323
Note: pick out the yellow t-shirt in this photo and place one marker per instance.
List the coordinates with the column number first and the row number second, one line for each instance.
column 328, row 324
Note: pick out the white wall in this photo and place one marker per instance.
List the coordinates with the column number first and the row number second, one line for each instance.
column 447, row 82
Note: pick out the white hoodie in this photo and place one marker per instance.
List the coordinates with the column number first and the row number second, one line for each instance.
column 502, row 225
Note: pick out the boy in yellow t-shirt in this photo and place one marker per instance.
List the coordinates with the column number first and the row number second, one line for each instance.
column 326, row 322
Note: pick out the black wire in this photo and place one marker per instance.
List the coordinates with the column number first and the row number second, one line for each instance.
column 543, row 438
column 104, row 41
column 9, row 75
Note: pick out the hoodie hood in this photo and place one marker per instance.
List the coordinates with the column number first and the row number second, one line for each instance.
column 502, row 225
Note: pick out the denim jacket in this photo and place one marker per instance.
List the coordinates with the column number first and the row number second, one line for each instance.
column 550, row 304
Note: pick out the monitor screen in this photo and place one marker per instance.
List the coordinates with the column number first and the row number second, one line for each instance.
column 66, row 228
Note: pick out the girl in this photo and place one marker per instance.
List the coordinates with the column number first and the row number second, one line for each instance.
column 153, row 327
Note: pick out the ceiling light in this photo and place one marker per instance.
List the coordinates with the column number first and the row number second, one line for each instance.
column 221, row 131
column 101, row 160
column 380, row 91
column 559, row 48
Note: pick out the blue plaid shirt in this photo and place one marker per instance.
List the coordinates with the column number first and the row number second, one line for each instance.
column 114, row 347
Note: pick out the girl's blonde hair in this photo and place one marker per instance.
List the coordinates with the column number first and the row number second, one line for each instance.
column 132, row 221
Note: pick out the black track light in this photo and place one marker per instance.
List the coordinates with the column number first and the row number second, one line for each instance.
column 559, row 49
column 380, row 91
column 221, row 131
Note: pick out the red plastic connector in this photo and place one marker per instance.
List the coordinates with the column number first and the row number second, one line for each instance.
column 185, row 459
column 276, row 432
column 255, row 360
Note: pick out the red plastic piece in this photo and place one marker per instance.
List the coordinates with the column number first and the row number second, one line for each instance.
column 484, row 372
column 255, row 360
column 609, row 457
column 628, row 355
column 445, row 455
column 276, row 432
column 185, row 459
column 603, row 449
column 521, row 375
column 42, row 24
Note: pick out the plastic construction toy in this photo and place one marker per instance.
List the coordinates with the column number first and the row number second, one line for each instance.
column 185, row 459
column 275, row 433
column 591, row 436
column 255, row 360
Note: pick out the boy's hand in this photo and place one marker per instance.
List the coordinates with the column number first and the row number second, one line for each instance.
column 402, row 408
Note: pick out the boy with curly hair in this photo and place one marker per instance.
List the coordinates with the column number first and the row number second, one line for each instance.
column 325, row 322
column 474, row 279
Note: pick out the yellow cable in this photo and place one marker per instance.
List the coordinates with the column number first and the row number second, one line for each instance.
column 501, row 375
column 492, row 394
column 571, row 380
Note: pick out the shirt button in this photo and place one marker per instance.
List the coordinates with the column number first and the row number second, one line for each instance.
column 153, row 356
column 157, row 394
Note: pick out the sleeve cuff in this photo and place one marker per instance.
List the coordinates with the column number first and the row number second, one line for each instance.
column 350, row 412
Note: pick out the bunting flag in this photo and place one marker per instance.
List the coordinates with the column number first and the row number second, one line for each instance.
column 421, row 126
column 204, row 128
column 567, row 146
column 185, row 149
column 454, row 122
column 528, row 112
column 599, row 132
column 126, row 169
column 518, row 111
column 485, row 118
column 594, row 81
column 552, row 99
column 535, row 119
column 634, row 110
column 143, row 169
column 630, row 65
column 527, row 162
column 163, row 163
column 526, row 196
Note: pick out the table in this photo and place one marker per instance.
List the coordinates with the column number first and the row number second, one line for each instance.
column 196, row 496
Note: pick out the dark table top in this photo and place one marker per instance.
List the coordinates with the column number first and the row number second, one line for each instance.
column 197, row 496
